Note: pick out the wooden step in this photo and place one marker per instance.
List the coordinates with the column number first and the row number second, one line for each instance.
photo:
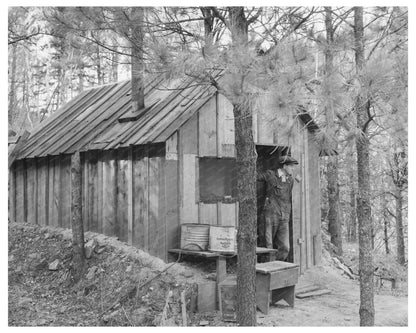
column 313, row 293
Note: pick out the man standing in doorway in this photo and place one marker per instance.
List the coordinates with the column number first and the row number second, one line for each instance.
column 278, row 205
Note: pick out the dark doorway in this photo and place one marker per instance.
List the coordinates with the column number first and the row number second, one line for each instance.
column 267, row 158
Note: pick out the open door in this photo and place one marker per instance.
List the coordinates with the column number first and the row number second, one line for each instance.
column 267, row 158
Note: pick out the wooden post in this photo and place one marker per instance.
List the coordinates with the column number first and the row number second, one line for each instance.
column 78, row 261
column 130, row 200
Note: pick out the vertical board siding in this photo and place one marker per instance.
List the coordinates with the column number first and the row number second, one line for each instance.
column 20, row 191
column 189, row 207
column 140, row 198
column 31, row 191
column 296, row 150
column 130, row 196
column 308, row 236
column 109, row 193
column 84, row 189
column 51, row 175
column 42, row 193
column 53, row 205
column 303, row 214
column 100, row 181
column 228, row 214
column 208, row 213
column 208, row 129
column 162, row 227
column 188, row 150
column 154, row 232
column 92, row 197
column 65, row 191
column 315, row 200
column 12, row 192
column 171, row 188
column 56, row 192
column 121, row 227
column 226, row 136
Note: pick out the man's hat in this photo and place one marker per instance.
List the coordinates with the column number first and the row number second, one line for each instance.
column 287, row 160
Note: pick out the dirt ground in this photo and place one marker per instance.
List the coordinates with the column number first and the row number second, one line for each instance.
column 339, row 308
column 125, row 286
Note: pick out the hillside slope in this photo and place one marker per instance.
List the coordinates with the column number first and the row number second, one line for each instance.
column 125, row 286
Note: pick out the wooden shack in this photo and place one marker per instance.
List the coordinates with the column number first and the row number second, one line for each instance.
column 146, row 174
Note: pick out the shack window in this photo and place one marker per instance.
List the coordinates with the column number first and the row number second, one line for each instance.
column 217, row 179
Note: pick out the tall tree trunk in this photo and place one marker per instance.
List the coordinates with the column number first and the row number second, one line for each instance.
column 208, row 26
column 352, row 234
column 137, row 60
column 334, row 222
column 247, row 224
column 365, row 223
column 401, row 257
column 114, row 66
column 386, row 224
column 99, row 70
column 80, row 79
column 12, row 86
column 78, row 261
column 246, row 174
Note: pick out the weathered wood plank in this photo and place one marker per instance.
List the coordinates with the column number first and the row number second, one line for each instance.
column 65, row 192
column 296, row 150
column 42, row 191
column 172, row 204
column 54, row 172
column 85, row 190
column 56, row 192
column 303, row 253
column 309, row 248
column 129, row 179
column 100, row 191
column 12, row 193
column 228, row 216
column 51, row 177
column 188, row 150
column 226, row 135
column 172, row 147
column 109, row 193
column 31, row 191
column 189, row 211
column 208, row 129
column 140, row 195
column 121, row 229
column 189, row 137
column 20, row 190
column 156, row 230
column 92, row 199
column 315, row 200
column 208, row 213
column 162, row 226
column 313, row 293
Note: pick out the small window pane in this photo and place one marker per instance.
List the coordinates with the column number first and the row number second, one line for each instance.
column 217, row 179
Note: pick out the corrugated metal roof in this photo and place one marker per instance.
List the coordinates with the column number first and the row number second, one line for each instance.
column 91, row 120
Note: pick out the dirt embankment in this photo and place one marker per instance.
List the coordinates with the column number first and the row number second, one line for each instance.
column 125, row 286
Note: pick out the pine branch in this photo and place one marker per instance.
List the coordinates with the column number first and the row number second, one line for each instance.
column 255, row 16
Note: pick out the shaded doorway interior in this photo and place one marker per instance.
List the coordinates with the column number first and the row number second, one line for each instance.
column 267, row 158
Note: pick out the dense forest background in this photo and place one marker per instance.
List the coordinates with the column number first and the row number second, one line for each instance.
column 57, row 52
